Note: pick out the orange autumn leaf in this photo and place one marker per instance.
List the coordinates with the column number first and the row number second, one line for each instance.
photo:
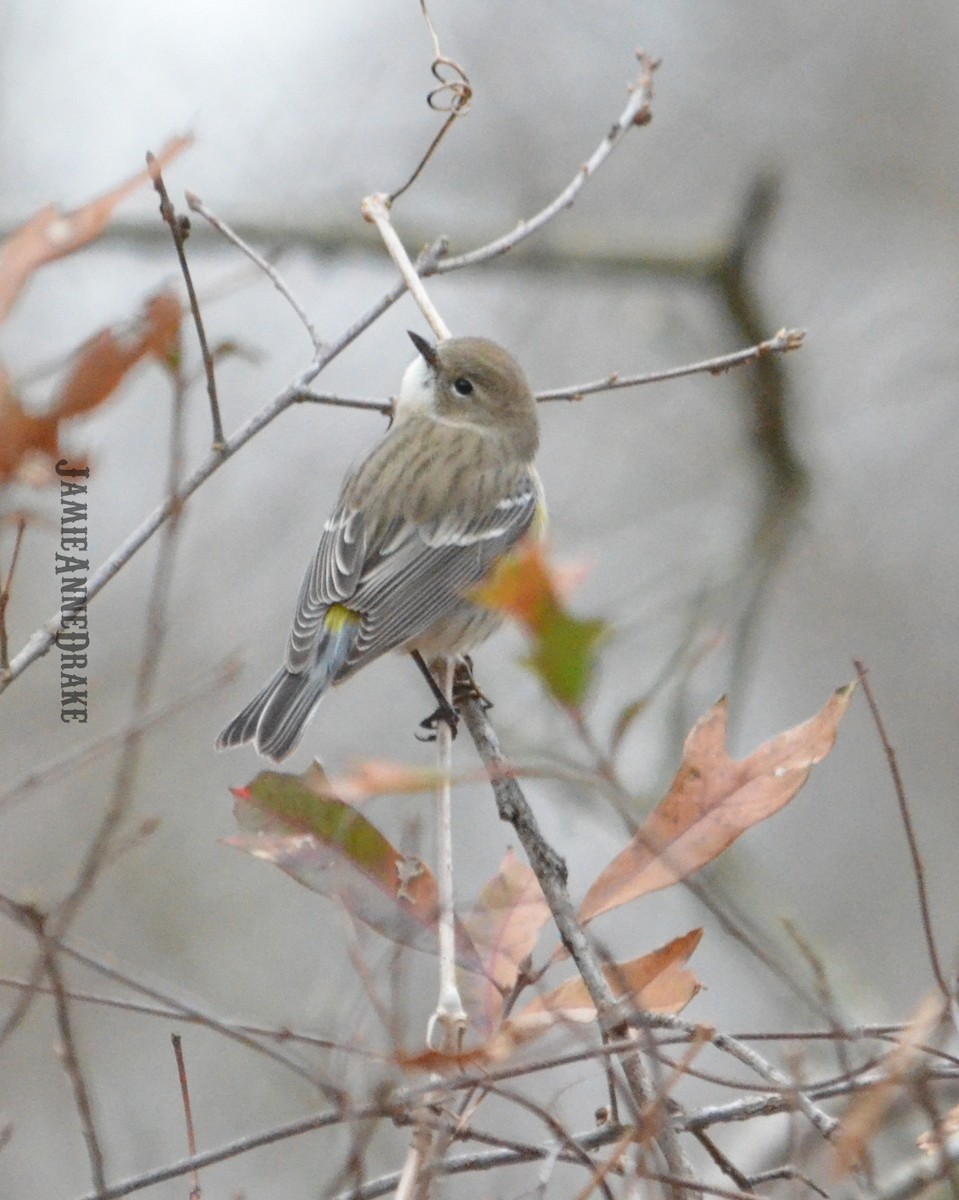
column 30, row 442
column 712, row 801
column 104, row 360
column 657, row 982
column 525, row 586
column 51, row 234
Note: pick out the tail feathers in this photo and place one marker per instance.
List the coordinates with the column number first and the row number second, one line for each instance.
column 275, row 718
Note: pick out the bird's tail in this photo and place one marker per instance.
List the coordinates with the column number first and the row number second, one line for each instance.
column 275, row 718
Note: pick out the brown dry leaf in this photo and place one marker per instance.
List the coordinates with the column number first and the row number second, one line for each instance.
column 504, row 926
column 30, row 443
column 105, row 359
column 712, row 801
column 51, row 234
column 866, row 1112
column 383, row 777
column 947, row 1127
column 657, row 982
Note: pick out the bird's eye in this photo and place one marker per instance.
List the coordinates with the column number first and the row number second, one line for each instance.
column 462, row 386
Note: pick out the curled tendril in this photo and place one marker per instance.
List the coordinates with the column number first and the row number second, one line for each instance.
column 453, row 97
column 455, row 92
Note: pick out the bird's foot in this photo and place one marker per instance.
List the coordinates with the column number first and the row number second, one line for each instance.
column 445, row 712
column 465, row 686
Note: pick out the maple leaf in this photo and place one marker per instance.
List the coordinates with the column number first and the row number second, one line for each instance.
column 712, row 801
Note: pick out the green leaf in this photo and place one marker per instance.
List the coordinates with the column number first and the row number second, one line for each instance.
column 564, row 655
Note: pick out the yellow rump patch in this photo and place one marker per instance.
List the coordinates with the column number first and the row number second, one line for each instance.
column 338, row 616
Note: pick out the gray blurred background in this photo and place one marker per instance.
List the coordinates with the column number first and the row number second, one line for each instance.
column 299, row 110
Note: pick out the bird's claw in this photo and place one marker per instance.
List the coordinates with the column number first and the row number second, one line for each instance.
column 445, row 712
column 465, row 686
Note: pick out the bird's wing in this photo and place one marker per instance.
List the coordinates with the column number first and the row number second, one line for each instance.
column 419, row 572
column 331, row 579
column 412, row 576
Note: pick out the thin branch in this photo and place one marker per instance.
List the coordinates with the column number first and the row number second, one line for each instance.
column 71, row 1058
column 904, row 812
column 84, row 752
column 638, row 111
column 196, row 205
column 361, row 402
column 5, row 595
column 187, row 1108
column 447, row 1025
column 180, row 229
column 244, row 1145
column 376, row 210
column 453, row 96
column 187, row 1016
column 784, row 341
column 44, row 638
column 821, row 1121
column 550, row 871
column 237, row 1033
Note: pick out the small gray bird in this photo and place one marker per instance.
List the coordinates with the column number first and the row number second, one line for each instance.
column 448, row 491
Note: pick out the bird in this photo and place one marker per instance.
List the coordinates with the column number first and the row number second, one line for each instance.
column 449, row 490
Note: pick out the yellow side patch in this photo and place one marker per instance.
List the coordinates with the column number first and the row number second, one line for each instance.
column 540, row 522
column 338, row 616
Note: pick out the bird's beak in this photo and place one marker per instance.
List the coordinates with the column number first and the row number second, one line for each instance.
column 427, row 349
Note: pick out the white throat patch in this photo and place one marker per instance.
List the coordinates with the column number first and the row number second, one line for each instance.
column 416, row 389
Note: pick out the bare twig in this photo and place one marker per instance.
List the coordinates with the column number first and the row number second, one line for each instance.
column 180, row 229
column 5, row 595
column 550, row 871
column 196, row 205
column 41, row 641
column 904, row 812
column 448, row 1023
column 176, row 1008
column 751, row 1058
column 453, row 96
column 187, row 1109
column 638, row 111
column 784, row 341
column 361, row 402
column 71, row 1058
column 376, row 210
